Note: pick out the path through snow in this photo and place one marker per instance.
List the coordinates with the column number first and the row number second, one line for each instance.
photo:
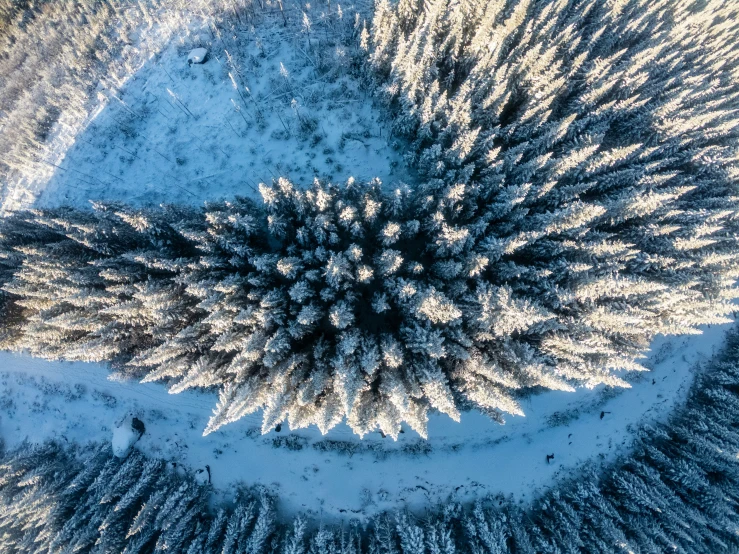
column 338, row 475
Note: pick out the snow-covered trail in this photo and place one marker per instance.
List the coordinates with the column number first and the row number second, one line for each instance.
column 338, row 475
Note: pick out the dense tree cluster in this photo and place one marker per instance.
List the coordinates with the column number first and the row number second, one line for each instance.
column 59, row 500
column 325, row 305
column 52, row 57
column 677, row 492
column 578, row 196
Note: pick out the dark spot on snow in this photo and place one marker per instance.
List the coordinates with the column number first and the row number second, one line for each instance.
column 138, row 426
column 278, row 428
column 291, row 442
column 108, row 400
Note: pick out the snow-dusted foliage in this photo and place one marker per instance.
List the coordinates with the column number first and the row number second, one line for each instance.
column 580, row 161
column 56, row 500
column 677, row 492
column 308, row 310
column 333, row 303
column 578, row 196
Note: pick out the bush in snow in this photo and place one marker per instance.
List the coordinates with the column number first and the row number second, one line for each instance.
column 125, row 435
column 578, row 197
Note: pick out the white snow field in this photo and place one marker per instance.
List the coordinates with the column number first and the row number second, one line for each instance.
column 339, row 475
column 179, row 132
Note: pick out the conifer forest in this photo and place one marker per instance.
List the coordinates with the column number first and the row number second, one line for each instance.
column 369, row 277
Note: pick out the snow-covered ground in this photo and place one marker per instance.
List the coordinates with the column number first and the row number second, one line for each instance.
column 176, row 132
column 338, row 475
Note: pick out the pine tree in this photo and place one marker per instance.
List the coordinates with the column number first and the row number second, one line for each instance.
column 576, row 197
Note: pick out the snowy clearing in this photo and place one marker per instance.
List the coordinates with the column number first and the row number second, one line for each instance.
column 338, row 475
column 181, row 132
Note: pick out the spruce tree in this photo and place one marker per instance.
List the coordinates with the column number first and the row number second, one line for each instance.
column 576, row 197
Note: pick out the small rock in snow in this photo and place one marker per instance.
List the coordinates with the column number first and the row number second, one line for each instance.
column 138, row 426
column 125, row 435
column 198, row 55
column 201, row 476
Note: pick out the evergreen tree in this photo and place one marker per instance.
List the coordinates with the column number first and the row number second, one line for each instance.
column 577, row 198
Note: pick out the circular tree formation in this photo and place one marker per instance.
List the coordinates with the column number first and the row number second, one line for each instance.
column 576, row 195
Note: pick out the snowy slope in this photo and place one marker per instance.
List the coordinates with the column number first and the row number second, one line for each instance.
column 338, row 475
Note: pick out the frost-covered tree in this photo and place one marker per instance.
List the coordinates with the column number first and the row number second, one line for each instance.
column 580, row 158
column 332, row 302
column 578, row 196
column 58, row 500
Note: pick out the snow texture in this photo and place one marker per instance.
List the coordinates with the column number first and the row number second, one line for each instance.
column 180, row 133
column 201, row 476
